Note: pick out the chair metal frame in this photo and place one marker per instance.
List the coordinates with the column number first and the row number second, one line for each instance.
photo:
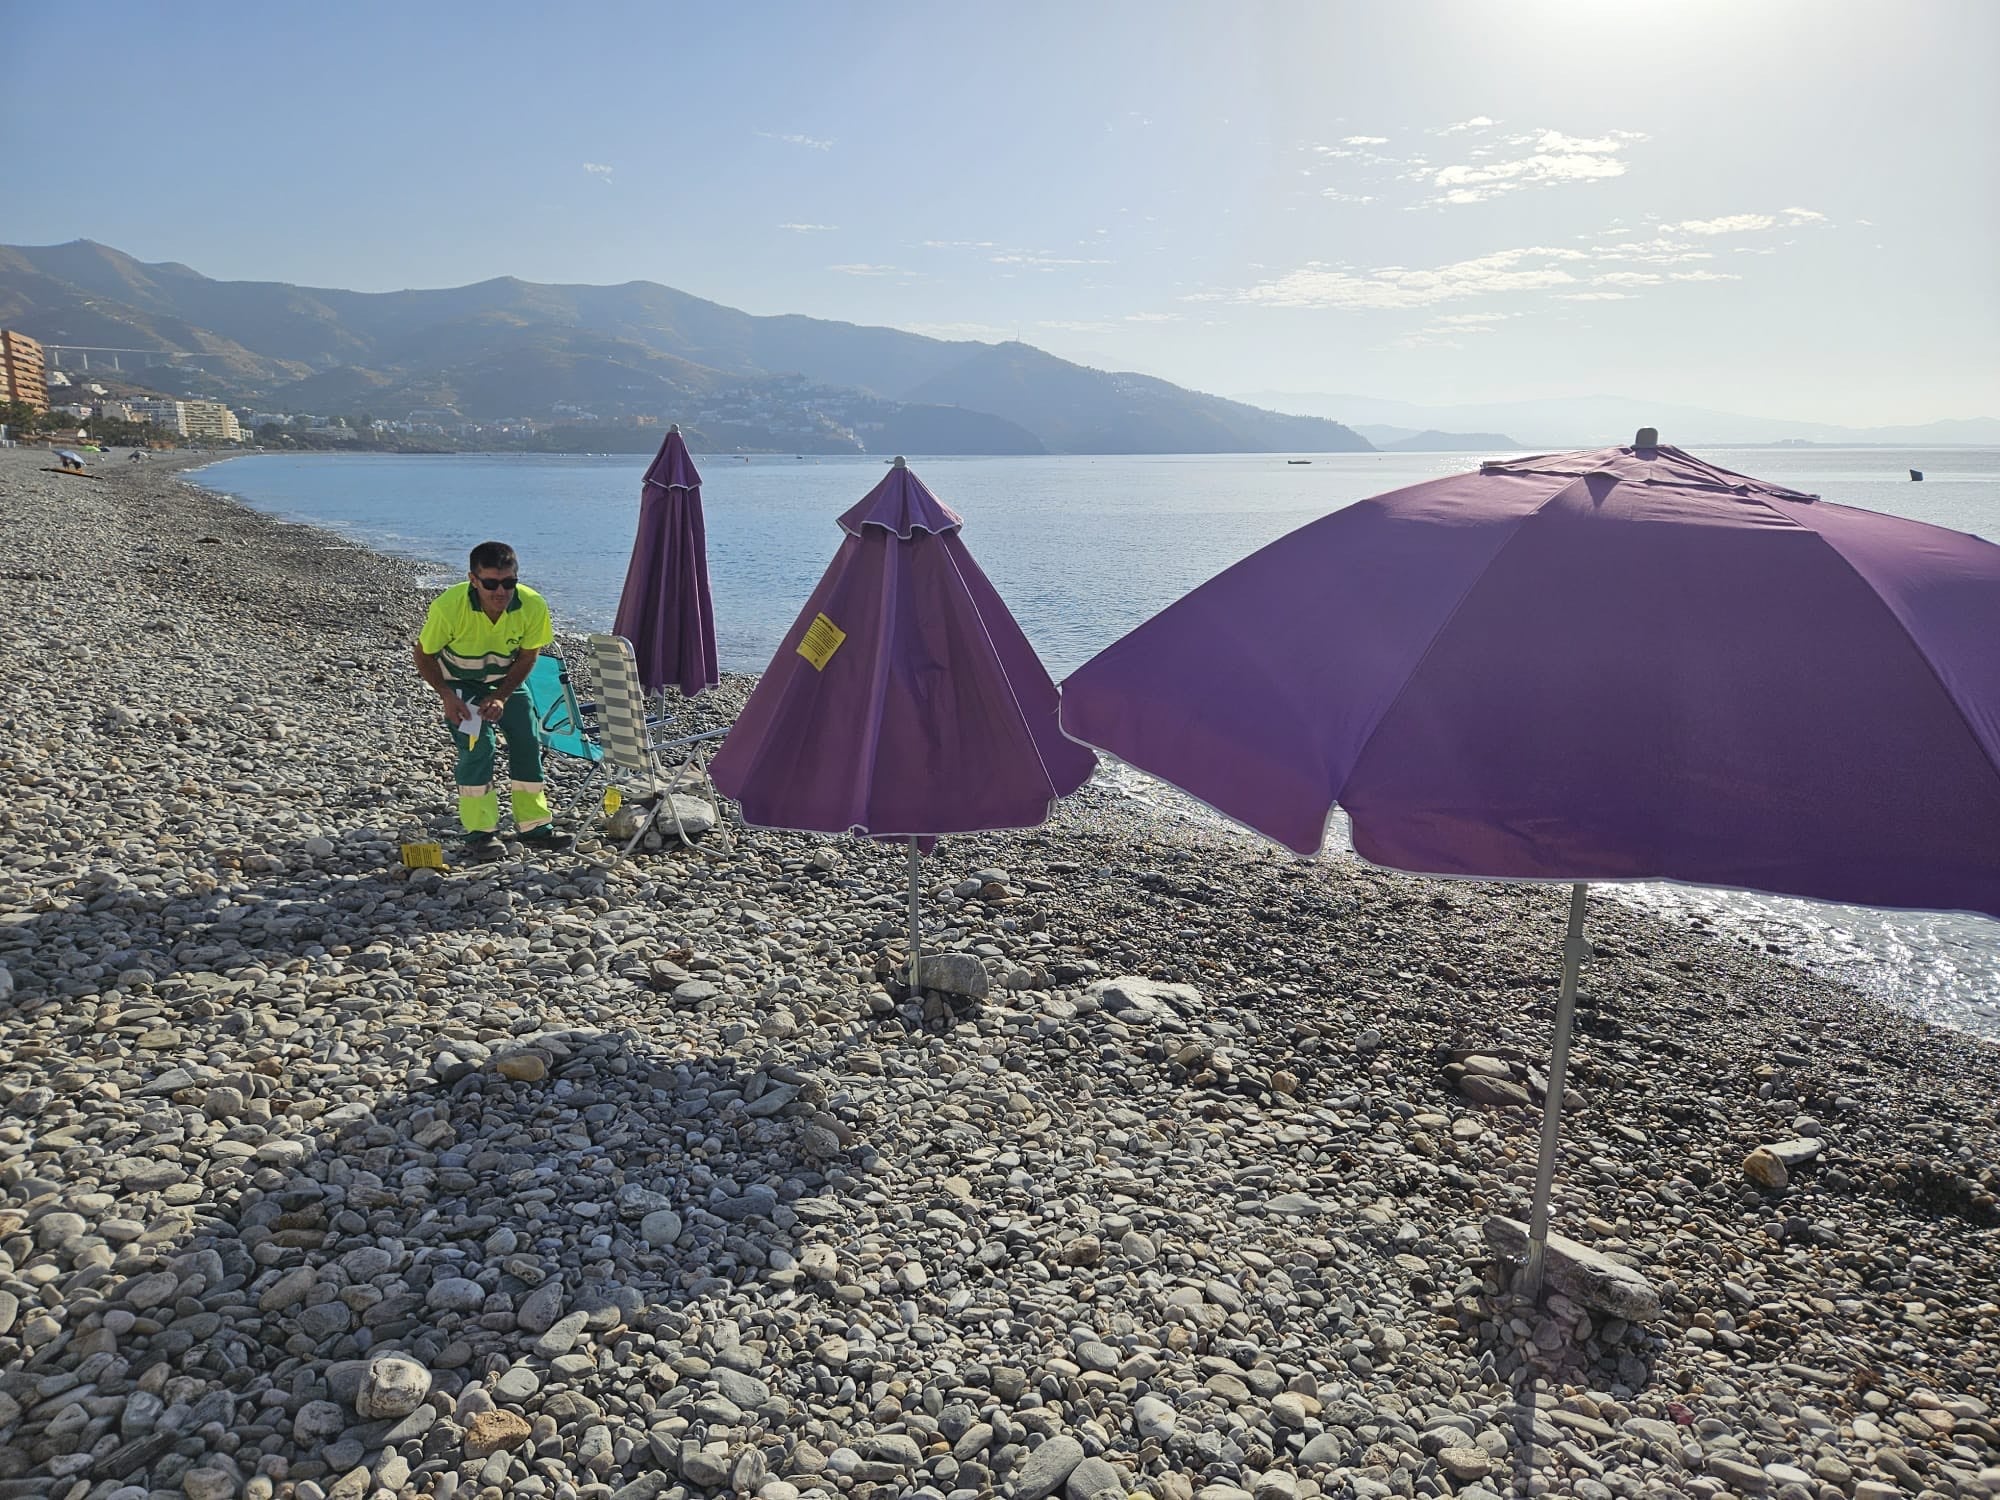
column 627, row 734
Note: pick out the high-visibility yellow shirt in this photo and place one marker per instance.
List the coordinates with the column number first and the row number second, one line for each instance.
column 476, row 650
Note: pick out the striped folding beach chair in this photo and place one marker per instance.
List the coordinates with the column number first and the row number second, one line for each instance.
column 642, row 765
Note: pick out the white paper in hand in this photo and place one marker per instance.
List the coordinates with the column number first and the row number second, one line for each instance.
column 471, row 726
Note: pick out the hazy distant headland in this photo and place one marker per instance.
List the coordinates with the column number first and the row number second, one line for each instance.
column 1595, row 421
column 517, row 363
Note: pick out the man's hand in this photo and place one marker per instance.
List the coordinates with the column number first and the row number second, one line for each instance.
column 454, row 706
column 493, row 708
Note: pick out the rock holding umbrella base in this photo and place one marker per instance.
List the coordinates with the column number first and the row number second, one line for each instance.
column 1580, row 1273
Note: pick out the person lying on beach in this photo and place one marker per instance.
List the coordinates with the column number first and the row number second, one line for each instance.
column 478, row 644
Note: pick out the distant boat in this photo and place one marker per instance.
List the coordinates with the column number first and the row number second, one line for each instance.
column 1298, row 460
column 1916, row 473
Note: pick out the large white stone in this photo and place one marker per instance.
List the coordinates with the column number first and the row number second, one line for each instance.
column 1130, row 997
column 393, row 1387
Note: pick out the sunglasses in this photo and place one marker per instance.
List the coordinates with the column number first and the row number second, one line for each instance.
column 495, row 585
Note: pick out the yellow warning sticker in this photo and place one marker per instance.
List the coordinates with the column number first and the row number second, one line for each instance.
column 613, row 800
column 822, row 639
column 423, row 857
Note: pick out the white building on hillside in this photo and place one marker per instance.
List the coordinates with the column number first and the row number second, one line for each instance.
column 169, row 416
column 211, row 422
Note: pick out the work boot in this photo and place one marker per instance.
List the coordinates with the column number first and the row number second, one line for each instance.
column 547, row 839
column 484, row 844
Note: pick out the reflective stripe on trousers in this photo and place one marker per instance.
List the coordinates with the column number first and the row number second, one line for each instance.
column 478, row 803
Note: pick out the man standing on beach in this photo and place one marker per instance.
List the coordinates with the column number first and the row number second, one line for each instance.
column 479, row 643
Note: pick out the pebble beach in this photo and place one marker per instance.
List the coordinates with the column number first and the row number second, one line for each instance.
column 607, row 1177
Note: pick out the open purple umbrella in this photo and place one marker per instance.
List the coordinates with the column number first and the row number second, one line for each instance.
column 665, row 610
column 904, row 702
column 1622, row 665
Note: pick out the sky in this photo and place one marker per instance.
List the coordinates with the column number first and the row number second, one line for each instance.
column 1782, row 208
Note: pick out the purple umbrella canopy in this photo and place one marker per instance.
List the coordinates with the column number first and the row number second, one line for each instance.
column 665, row 610
column 1623, row 665
column 904, row 702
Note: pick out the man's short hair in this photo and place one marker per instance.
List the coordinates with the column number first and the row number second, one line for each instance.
column 492, row 555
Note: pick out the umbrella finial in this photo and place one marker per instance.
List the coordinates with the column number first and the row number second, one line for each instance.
column 1649, row 437
column 673, row 427
column 897, row 462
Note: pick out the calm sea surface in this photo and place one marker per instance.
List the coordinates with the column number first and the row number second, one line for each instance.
column 1083, row 549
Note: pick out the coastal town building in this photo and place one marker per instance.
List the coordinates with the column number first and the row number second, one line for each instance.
column 168, row 415
column 23, row 370
column 210, row 421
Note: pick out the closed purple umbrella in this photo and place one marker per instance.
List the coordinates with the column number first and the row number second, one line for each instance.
column 904, row 702
column 1622, row 665
column 665, row 610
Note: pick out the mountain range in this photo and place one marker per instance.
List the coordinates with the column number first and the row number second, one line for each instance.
column 609, row 355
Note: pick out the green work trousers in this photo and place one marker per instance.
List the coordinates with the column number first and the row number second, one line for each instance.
column 478, row 802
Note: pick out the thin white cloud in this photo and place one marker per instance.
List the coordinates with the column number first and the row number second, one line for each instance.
column 1364, row 140
column 1546, row 158
column 862, row 268
column 598, row 170
column 1477, row 122
column 1045, row 262
column 1619, row 264
column 810, row 142
column 1661, row 250
column 1728, row 224
column 1555, row 140
column 958, row 244
column 1152, row 317
column 1064, row 326
column 809, row 228
column 1447, row 330
column 1389, row 287
column 1337, row 196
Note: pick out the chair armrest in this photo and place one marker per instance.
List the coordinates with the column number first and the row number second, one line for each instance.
column 691, row 739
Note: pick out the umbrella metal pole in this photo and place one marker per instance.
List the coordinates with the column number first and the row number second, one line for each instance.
column 1552, row 1105
column 915, row 986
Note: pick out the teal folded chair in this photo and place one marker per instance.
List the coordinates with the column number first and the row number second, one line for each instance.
column 558, row 717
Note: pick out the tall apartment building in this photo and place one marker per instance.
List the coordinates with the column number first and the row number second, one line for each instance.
column 23, row 372
column 210, row 421
column 169, row 416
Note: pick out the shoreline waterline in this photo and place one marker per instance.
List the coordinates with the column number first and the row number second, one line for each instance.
column 1944, row 968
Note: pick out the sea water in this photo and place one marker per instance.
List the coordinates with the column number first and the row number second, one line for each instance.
column 1083, row 549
